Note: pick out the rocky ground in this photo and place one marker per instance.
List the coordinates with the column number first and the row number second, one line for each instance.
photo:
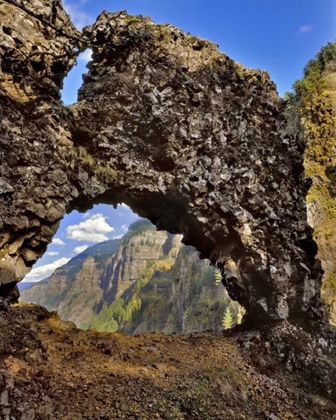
column 51, row 370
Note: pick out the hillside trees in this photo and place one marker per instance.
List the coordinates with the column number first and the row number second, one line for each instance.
column 172, row 296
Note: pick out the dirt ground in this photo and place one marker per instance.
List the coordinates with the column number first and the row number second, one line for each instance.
column 51, row 370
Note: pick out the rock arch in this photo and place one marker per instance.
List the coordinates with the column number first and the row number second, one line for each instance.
column 165, row 123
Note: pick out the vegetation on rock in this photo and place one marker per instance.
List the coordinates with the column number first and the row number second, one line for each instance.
column 311, row 109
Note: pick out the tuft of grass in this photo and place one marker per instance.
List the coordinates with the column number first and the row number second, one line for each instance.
column 132, row 20
column 85, row 157
column 106, row 171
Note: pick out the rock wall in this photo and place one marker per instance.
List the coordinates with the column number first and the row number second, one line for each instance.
column 172, row 127
column 35, row 143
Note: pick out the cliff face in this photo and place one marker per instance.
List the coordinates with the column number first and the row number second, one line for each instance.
column 170, row 126
column 132, row 257
column 184, row 298
column 320, row 163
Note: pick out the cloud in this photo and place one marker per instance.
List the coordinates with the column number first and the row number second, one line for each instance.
column 52, row 253
column 80, row 248
column 79, row 17
column 40, row 273
column 118, row 236
column 93, row 229
column 85, row 56
column 57, row 241
column 124, row 228
column 304, row 29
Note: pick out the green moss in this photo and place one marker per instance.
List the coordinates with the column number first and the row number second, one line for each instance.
column 311, row 113
column 331, row 279
column 106, row 171
column 85, row 157
column 132, row 20
column 4, row 249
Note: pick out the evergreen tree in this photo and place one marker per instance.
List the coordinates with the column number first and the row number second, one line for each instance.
column 227, row 320
column 218, row 276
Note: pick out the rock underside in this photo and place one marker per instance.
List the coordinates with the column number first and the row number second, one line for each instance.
column 166, row 124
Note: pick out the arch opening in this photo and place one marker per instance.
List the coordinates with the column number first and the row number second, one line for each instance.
column 110, row 270
column 74, row 78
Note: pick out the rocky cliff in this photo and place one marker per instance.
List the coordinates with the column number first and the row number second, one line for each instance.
column 150, row 282
column 167, row 124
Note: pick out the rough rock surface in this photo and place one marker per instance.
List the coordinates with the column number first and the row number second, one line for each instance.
column 168, row 125
column 34, row 141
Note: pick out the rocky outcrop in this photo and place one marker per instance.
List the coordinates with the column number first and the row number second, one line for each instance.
column 172, row 127
column 35, row 143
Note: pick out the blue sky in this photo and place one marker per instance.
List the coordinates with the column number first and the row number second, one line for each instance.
column 77, row 232
column 275, row 35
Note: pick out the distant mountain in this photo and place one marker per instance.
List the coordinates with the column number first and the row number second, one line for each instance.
column 74, row 289
column 147, row 281
column 26, row 285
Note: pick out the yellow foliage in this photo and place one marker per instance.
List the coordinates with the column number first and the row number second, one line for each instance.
column 317, row 110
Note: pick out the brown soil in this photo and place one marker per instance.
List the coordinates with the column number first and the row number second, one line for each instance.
column 51, row 370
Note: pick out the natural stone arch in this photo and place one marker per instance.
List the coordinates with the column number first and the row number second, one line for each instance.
column 176, row 130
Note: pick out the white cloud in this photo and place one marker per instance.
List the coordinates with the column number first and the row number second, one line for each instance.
column 57, row 241
column 93, row 229
column 80, row 249
column 79, row 17
column 40, row 273
column 52, row 253
column 85, row 56
column 304, row 29
column 118, row 237
column 124, row 228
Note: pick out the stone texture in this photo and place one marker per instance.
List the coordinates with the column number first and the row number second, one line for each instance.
column 168, row 125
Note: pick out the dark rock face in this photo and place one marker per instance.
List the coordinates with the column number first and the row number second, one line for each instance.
column 173, row 128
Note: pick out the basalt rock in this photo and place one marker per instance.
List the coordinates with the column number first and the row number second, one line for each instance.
column 168, row 125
